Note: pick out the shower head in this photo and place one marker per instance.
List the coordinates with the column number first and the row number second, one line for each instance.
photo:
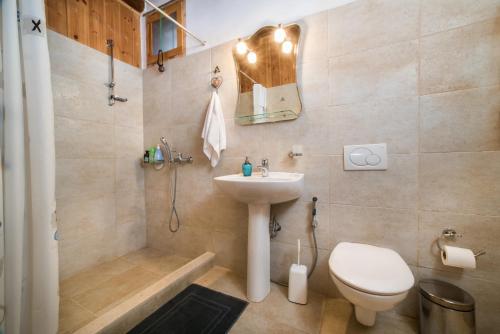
column 167, row 148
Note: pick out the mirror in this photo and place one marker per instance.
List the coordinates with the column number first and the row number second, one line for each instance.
column 267, row 76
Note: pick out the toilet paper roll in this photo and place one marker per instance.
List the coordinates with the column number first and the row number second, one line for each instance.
column 458, row 257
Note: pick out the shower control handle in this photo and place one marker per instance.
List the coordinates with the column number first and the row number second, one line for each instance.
column 180, row 158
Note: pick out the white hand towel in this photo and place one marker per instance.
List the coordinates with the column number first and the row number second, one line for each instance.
column 214, row 131
column 259, row 99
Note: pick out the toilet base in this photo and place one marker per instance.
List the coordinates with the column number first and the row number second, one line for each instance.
column 364, row 316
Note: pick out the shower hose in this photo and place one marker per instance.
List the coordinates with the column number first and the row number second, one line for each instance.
column 173, row 227
column 314, row 225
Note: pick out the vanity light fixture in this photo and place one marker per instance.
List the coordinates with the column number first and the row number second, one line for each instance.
column 279, row 34
column 241, row 47
column 287, row 47
column 252, row 57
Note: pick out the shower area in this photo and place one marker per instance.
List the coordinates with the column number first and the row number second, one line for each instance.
column 104, row 267
column 104, row 256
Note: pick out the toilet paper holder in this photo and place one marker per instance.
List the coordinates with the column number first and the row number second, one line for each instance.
column 451, row 234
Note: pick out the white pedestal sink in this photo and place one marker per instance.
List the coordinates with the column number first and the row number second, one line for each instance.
column 259, row 193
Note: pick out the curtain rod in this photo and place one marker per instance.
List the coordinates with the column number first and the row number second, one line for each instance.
column 175, row 22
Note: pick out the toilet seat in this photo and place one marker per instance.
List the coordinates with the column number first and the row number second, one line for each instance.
column 371, row 269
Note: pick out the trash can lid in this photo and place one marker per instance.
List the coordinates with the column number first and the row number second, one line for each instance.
column 446, row 295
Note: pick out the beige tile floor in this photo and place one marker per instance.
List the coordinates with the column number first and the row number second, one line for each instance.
column 277, row 315
column 92, row 292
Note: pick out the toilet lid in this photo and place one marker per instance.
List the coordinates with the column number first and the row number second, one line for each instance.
column 371, row 269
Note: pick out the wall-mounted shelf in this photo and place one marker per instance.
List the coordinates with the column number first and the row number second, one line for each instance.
column 154, row 165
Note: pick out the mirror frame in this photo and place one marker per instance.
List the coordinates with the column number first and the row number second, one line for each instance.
column 237, row 68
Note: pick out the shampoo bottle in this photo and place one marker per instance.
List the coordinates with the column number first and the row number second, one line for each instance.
column 158, row 155
column 246, row 168
column 151, row 155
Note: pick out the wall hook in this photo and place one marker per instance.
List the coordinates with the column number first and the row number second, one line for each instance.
column 216, row 80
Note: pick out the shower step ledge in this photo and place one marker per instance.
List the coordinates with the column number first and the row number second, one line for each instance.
column 131, row 312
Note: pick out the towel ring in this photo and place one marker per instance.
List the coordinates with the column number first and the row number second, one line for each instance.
column 451, row 234
column 216, row 80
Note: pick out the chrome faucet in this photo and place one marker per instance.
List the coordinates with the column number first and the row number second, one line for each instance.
column 264, row 167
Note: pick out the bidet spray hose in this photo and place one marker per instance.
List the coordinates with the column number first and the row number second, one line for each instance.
column 314, row 225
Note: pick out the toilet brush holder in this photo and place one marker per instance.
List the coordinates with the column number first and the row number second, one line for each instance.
column 297, row 281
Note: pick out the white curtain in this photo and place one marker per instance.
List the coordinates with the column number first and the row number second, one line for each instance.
column 31, row 263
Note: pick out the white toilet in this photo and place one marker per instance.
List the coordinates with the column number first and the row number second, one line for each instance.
column 372, row 278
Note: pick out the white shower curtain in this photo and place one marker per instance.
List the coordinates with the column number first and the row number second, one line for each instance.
column 31, row 263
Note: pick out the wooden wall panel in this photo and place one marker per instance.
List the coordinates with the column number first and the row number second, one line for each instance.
column 56, row 13
column 96, row 25
column 137, row 40
column 112, row 24
column 126, row 34
column 91, row 22
column 78, row 20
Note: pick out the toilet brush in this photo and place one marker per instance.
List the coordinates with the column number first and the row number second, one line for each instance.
column 297, row 281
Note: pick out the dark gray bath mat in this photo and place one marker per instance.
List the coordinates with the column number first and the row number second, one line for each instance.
column 195, row 310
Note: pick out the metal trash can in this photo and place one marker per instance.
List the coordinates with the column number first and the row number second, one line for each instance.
column 445, row 309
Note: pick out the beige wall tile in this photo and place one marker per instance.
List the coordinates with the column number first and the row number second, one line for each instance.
column 313, row 38
column 295, row 219
column 311, row 131
column 86, row 251
column 440, row 15
column 367, row 24
column 243, row 141
column 479, row 232
column 316, row 170
column 80, row 177
column 189, row 105
column 460, row 182
column 222, row 56
column 80, row 100
column 129, row 142
column 391, row 121
column 312, row 79
column 129, row 113
column 78, row 217
column 130, row 237
column 191, row 71
column 485, row 293
column 231, row 250
column 90, row 168
column 384, row 72
column 129, row 175
column 192, row 242
column 77, row 61
column 395, row 187
column 466, row 120
column 462, row 58
column 83, row 139
column 130, row 207
column 391, row 228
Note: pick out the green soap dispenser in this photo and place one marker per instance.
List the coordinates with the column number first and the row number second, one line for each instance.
column 246, row 168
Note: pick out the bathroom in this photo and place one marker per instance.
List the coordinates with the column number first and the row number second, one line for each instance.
column 106, row 224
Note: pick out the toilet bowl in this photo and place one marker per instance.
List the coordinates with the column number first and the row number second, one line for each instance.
column 372, row 278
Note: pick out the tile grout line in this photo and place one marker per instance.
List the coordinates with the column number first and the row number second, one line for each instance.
column 418, row 129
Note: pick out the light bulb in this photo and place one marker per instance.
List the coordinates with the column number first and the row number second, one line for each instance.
column 279, row 34
column 287, row 47
column 252, row 57
column 241, row 47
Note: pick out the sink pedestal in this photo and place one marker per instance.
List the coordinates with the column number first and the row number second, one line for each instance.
column 259, row 193
column 258, row 261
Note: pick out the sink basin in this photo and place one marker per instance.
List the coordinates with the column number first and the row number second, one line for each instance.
column 259, row 193
column 278, row 187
